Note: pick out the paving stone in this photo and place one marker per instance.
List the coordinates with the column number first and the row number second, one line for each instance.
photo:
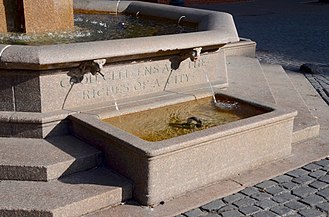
column 261, row 196
column 284, row 197
column 194, row 213
column 312, row 200
column 303, row 191
column 324, row 193
column 324, row 179
column 312, row 167
column 266, row 184
column 250, row 210
column 244, row 202
column 233, row 197
column 282, row 179
column 282, row 210
column 323, row 163
column 297, row 173
column 214, row 205
column 311, row 213
column 266, row 204
column 180, row 215
column 232, row 213
column 317, row 174
column 318, row 185
column 303, row 180
column 323, row 207
column 250, row 191
column 265, row 214
column 295, row 205
column 227, row 208
column 325, row 168
column 293, row 215
column 289, row 185
column 211, row 215
column 275, row 190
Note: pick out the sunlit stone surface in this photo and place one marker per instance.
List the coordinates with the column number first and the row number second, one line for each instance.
column 36, row 16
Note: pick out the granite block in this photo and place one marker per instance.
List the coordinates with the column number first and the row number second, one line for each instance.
column 266, row 204
column 5, row 129
column 7, row 102
column 26, row 130
column 312, row 213
column 266, row 184
column 234, row 197
column 250, row 191
column 323, row 207
column 233, row 213
column 27, row 93
column 312, row 200
column 214, row 205
column 284, row 197
column 282, row 210
column 266, row 214
column 48, row 15
column 312, row 167
column 244, row 202
column 324, row 193
column 318, row 185
column 295, row 205
column 194, row 213
column 303, row 191
column 250, row 210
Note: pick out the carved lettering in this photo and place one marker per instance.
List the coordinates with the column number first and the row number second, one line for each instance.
column 147, row 77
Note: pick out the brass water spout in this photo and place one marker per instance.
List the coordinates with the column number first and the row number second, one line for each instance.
column 92, row 66
column 193, row 54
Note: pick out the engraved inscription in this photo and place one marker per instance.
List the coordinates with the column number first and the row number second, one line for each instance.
column 135, row 78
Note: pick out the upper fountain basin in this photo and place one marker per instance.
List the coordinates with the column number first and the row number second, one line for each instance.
column 213, row 29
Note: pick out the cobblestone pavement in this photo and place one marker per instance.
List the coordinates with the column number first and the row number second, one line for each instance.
column 301, row 192
column 318, row 76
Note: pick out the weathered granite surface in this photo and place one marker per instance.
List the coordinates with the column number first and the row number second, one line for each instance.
column 36, row 16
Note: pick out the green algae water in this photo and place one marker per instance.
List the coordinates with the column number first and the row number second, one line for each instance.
column 99, row 27
column 183, row 118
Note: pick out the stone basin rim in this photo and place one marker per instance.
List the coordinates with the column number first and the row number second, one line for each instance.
column 214, row 28
column 160, row 148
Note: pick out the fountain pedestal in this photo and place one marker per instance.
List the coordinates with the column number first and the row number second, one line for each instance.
column 36, row 16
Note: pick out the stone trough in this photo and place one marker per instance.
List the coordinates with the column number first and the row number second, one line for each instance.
column 165, row 169
column 46, row 93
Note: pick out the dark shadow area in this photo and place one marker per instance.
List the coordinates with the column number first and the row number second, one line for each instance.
column 15, row 19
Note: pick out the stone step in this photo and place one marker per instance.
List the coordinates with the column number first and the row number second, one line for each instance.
column 43, row 160
column 270, row 84
column 73, row 195
column 285, row 94
column 246, row 79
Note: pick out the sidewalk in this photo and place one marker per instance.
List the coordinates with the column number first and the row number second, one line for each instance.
column 301, row 192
